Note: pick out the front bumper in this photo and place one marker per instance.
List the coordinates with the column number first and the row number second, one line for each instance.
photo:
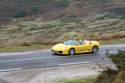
column 60, row 51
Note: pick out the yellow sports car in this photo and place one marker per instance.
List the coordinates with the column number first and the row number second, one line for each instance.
column 72, row 47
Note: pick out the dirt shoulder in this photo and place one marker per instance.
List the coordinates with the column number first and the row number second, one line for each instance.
column 54, row 74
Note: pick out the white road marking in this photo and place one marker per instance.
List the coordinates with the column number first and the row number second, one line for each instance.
column 75, row 63
column 14, row 69
column 28, row 59
column 12, row 54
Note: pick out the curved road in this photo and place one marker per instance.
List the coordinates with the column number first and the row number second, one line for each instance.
column 11, row 62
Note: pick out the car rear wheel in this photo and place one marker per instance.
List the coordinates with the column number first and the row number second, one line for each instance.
column 71, row 52
column 95, row 50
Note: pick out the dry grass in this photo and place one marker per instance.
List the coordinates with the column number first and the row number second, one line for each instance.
column 47, row 32
column 82, row 80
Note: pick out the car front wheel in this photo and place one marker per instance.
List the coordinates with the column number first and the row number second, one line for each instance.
column 71, row 52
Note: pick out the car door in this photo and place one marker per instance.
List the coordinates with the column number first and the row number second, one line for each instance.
column 82, row 47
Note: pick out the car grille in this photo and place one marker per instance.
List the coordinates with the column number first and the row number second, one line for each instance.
column 57, row 51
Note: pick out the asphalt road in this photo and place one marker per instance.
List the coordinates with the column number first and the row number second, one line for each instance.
column 3, row 81
column 23, row 61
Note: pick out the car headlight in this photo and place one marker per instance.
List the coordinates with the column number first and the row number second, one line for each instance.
column 65, row 47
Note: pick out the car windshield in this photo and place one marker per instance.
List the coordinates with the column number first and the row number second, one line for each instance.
column 70, row 42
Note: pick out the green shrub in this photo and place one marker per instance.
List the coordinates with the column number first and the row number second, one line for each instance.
column 42, row 27
column 43, row 1
column 114, row 76
column 30, row 1
column 119, row 59
column 47, row 26
column 122, row 17
column 62, row 3
column 77, row 21
column 20, row 14
column 35, row 10
column 34, row 28
column 65, row 21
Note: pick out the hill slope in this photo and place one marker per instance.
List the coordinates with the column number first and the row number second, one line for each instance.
column 47, row 21
column 50, row 9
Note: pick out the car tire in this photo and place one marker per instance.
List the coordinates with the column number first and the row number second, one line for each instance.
column 95, row 50
column 71, row 52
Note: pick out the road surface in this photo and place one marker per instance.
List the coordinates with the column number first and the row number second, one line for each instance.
column 12, row 62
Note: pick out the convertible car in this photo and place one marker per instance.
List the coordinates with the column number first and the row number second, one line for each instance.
column 72, row 47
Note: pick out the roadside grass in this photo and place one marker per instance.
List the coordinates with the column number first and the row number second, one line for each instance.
column 109, row 42
column 82, row 80
column 19, row 48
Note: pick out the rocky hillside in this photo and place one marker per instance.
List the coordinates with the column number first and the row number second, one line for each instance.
column 53, row 9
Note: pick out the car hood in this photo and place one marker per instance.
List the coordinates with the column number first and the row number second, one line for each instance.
column 59, row 46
